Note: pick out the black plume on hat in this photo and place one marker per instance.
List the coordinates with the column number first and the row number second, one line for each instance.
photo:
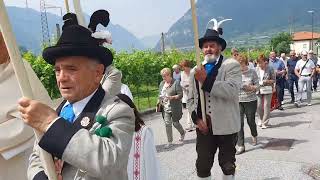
column 220, row 31
column 76, row 40
column 69, row 19
column 99, row 17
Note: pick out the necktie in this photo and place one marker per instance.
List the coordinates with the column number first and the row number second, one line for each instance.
column 209, row 67
column 67, row 113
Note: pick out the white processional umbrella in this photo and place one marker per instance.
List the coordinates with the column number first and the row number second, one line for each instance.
column 23, row 81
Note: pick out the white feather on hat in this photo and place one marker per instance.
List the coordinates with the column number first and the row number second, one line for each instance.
column 216, row 24
column 103, row 35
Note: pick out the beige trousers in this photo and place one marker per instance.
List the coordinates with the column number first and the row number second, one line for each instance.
column 263, row 107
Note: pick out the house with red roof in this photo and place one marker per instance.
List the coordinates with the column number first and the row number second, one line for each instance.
column 303, row 40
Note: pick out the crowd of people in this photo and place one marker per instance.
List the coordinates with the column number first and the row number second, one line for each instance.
column 263, row 85
column 97, row 132
column 262, row 88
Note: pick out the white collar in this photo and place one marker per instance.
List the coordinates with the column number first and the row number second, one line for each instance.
column 79, row 106
column 217, row 60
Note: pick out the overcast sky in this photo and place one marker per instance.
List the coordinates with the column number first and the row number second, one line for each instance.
column 141, row 17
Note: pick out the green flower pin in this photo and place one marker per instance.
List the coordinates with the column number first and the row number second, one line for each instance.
column 104, row 130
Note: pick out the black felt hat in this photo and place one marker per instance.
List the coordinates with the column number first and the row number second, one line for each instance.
column 76, row 40
column 213, row 35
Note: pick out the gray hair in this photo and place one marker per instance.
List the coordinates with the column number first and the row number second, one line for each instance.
column 165, row 71
column 234, row 50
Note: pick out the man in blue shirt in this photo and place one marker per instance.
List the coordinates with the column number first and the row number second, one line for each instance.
column 280, row 70
column 291, row 76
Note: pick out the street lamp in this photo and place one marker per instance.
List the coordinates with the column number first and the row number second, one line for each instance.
column 312, row 13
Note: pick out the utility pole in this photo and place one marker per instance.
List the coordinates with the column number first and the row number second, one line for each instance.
column 27, row 4
column 162, row 43
column 58, row 30
column 44, row 23
column 312, row 14
column 290, row 25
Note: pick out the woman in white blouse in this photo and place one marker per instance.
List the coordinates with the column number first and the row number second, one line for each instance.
column 185, row 81
column 266, row 78
column 143, row 163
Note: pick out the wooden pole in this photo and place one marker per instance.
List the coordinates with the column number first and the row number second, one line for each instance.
column 196, row 46
column 67, row 5
column 23, row 81
column 79, row 13
column 162, row 43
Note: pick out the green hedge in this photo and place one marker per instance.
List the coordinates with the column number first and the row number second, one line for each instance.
column 140, row 69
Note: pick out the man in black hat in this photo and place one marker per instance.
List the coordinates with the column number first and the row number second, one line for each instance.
column 220, row 79
column 90, row 133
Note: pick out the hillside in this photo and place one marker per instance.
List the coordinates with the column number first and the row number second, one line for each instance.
column 257, row 19
column 27, row 28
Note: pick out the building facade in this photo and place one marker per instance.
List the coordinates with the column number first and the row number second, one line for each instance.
column 303, row 41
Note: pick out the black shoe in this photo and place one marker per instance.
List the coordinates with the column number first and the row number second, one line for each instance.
column 280, row 108
column 292, row 101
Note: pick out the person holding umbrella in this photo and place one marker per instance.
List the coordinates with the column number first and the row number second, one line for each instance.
column 90, row 133
column 16, row 138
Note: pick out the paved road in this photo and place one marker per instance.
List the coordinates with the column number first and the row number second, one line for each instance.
column 286, row 151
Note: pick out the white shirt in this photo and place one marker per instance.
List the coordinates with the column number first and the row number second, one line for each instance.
column 176, row 76
column 251, row 66
column 261, row 73
column 185, row 81
column 149, row 166
column 308, row 68
column 125, row 90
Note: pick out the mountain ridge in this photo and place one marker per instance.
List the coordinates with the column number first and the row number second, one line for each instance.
column 250, row 18
column 27, row 29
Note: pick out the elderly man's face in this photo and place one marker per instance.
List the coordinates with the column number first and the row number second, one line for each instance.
column 273, row 55
column 211, row 48
column 4, row 55
column 77, row 77
column 304, row 56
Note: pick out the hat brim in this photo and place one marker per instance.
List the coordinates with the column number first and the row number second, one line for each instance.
column 220, row 40
column 104, row 55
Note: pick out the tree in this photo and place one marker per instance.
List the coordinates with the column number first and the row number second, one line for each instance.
column 281, row 42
